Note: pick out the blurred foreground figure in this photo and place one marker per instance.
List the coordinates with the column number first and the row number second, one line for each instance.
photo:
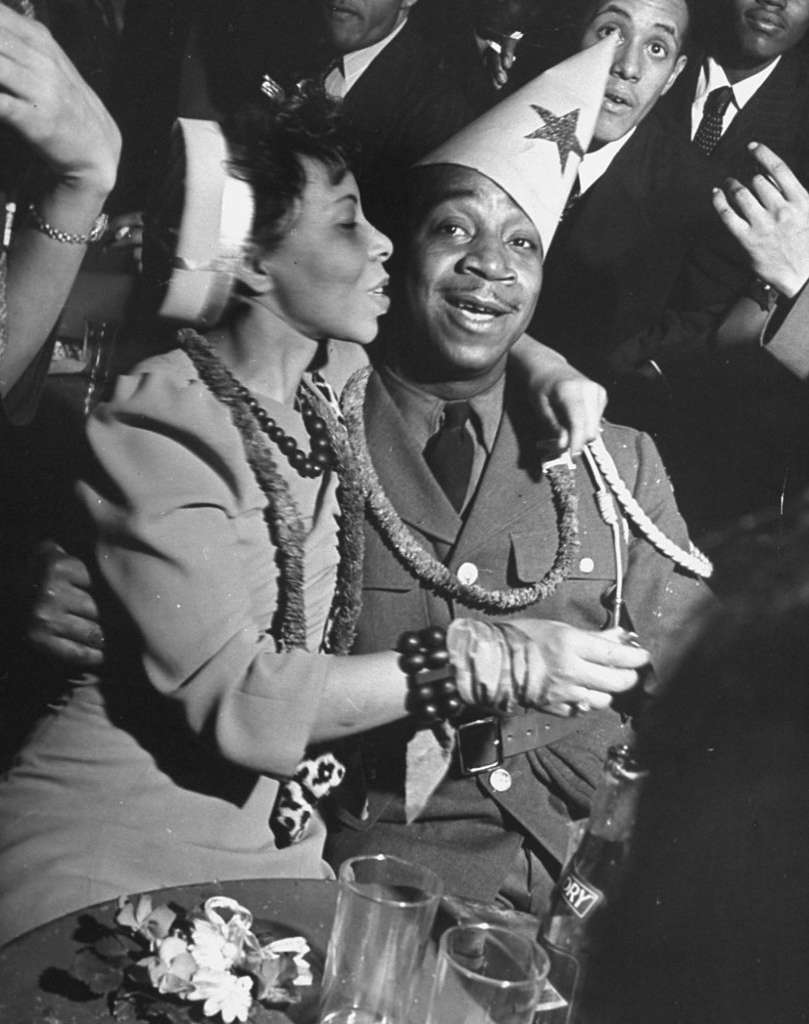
column 712, row 927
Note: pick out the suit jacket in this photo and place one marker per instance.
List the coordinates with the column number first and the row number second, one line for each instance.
column 640, row 268
column 401, row 108
column 777, row 115
column 469, row 832
column 741, row 426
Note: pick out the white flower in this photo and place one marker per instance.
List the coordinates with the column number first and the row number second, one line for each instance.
column 172, row 968
column 222, row 993
column 153, row 924
column 170, row 948
column 299, row 947
column 211, row 946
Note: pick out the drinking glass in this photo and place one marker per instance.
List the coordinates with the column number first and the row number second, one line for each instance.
column 487, row 975
column 385, row 911
column 99, row 352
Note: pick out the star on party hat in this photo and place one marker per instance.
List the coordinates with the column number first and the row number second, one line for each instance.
column 531, row 143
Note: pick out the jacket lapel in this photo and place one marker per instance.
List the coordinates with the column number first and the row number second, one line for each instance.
column 368, row 102
column 767, row 109
column 403, row 473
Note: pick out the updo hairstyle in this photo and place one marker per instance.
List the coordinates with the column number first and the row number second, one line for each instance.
column 267, row 140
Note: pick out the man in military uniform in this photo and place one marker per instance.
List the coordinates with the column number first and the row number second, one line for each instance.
column 498, row 820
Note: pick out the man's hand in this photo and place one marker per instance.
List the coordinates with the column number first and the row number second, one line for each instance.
column 770, row 220
column 499, row 57
column 45, row 100
column 578, row 667
column 64, row 623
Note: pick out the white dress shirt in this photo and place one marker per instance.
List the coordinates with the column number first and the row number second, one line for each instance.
column 340, row 81
column 596, row 163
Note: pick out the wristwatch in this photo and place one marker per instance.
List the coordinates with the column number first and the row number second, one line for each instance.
column 766, row 295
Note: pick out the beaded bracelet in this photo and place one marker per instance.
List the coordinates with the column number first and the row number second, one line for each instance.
column 93, row 235
column 432, row 693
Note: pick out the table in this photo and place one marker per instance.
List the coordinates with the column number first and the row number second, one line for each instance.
column 33, row 991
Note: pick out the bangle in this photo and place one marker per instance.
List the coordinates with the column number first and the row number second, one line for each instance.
column 93, row 235
column 432, row 692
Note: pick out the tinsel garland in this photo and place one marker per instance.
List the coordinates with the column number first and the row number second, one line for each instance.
column 424, row 566
column 341, row 629
column 282, row 514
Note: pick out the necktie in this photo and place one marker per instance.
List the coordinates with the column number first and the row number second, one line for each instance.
column 450, row 451
column 573, row 198
column 710, row 127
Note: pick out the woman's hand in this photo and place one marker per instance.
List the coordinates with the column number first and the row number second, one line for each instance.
column 47, row 102
column 579, row 667
column 569, row 404
column 770, row 220
column 573, row 406
column 541, row 663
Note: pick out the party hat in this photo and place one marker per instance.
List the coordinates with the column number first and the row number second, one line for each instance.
column 531, row 143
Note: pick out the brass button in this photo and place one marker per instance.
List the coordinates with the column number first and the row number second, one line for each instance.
column 467, row 573
column 586, row 565
column 500, row 780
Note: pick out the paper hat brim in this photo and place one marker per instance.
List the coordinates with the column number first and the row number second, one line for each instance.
column 215, row 221
column 531, row 143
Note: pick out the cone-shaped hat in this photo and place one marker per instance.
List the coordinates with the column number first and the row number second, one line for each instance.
column 531, row 143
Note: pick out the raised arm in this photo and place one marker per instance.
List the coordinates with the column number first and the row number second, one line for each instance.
column 74, row 147
column 570, row 403
column 770, row 220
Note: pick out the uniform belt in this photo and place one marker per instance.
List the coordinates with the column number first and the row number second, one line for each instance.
column 485, row 743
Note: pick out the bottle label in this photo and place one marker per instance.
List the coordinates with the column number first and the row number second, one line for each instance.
column 579, row 896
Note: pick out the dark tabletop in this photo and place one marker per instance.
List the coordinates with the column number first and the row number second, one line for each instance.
column 34, row 969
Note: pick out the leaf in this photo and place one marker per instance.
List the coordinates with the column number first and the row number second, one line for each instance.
column 90, row 930
column 266, row 1015
column 100, row 975
column 144, row 1008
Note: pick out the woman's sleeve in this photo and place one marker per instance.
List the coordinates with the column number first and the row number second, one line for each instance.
column 174, row 503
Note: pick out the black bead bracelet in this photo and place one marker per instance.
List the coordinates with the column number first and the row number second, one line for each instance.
column 432, row 693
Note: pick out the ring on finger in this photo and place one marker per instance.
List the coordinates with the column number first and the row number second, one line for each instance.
column 580, row 707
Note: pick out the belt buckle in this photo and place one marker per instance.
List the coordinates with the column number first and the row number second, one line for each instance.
column 479, row 741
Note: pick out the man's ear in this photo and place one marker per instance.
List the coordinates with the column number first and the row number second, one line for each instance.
column 677, row 70
column 254, row 271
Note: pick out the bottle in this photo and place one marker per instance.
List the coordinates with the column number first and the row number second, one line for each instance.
column 590, row 879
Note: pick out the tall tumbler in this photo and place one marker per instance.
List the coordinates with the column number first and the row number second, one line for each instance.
column 385, row 911
column 487, row 975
